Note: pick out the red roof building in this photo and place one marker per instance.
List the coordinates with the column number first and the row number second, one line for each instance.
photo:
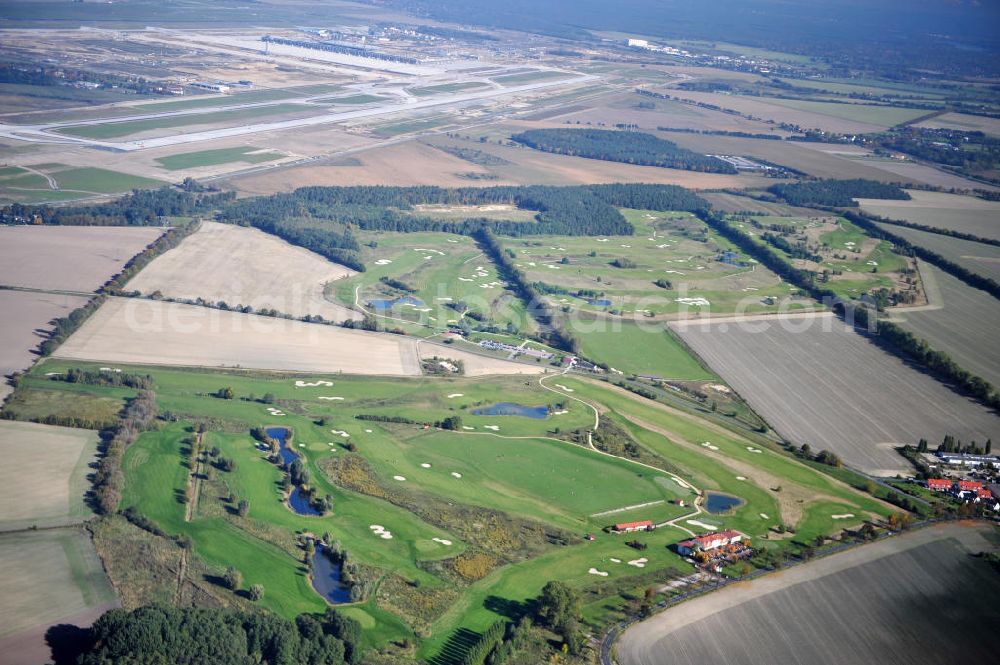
column 970, row 485
column 983, row 493
column 629, row 527
column 709, row 541
column 939, row 484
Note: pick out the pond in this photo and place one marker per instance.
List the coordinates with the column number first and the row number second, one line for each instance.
column 383, row 304
column 299, row 502
column 280, row 434
column 326, row 578
column 717, row 504
column 512, row 409
column 599, row 302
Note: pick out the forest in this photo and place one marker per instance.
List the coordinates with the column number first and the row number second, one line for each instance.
column 836, row 192
column 621, row 146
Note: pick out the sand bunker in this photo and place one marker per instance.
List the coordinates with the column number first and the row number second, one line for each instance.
column 443, row 541
column 843, row 516
column 495, row 428
column 562, row 387
column 754, row 450
column 697, row 302
column 764, row 516
column 275, row 412
column 614, row 560
column 456, row 474
column 381, row 531
column 340, row 432
column 703, row 525
column 639, row 563
column 383, row 262
column 454, row 395
column 708, row 444
column 401, row 479
column 741, row 477
column 595, row 571
column 426, row 465
column 313, row 384
column 330, row 399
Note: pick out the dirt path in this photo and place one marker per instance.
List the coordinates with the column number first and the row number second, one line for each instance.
column 52, row 181
column 181, row 578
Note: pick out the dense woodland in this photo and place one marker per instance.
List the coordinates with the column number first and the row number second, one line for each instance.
column 617, row 146
column 836, row 192
column 140, row 208
column 222, row 637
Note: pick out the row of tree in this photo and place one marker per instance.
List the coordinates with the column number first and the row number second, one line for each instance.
column 136, row 417
column 628, row 147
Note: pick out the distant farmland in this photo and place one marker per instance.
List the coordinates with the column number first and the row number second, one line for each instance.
column 885, row 602
column 966, row 214
column 835, row 390
column 974, row 256
column 963, row 323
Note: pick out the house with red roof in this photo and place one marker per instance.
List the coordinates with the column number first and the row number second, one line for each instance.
column 709, row 542
column 630, row 527
column 939, row 484
column 969, row 485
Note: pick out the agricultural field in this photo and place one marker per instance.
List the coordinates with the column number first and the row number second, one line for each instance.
column 130, row 330
column 975, row 257
column 618, row 275
column 953, row 212
column 821, row 621
column 959, row 320
column 74, row 258
column 439, row 273
column 887, row 116
column 419, row 485
column 25, row 314
column 44, row 477
column 243, row 266
column 60, row 182
column 964, row 123
column 48, row 577
column 780, row 366
column 643, row 348
column 191, row 160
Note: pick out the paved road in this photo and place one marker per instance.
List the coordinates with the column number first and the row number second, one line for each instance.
column 43, row 133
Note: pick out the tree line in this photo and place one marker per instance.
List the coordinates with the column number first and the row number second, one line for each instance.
column 628, row 147
column 836, row 192
column 136, row 417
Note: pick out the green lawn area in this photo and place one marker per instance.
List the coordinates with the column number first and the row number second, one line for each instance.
column 110, row 130
column 353, row 99
column 234, row 99
column 637, row 348
column 102, row 181
column 190, row 160
column 395, row 129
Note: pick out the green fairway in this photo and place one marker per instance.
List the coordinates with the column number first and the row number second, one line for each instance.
column 512, row 468
column 640, row 348
column 190, row 160
column 110, row 130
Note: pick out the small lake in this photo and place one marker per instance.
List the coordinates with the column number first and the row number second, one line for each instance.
column 512, row 409
column 280, row 434
column 717, row 504
column 599, row 302
column 385, row 304
column 326, row 578
column 299, row 502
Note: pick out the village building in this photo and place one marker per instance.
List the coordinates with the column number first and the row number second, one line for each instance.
column 710, row 542
column 632, row 527
column 939, row 484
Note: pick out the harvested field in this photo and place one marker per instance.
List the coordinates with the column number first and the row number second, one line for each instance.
column 871, row 403
column 44, row 476
column 977, row 257
column 961, row 321
column 159, row 333
column 869, row 604
column 48, row 577
column 965, row 214
column 964, row 123
column 244, row 266
column 476, row 364
column 24, row 315
column 77, row 258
